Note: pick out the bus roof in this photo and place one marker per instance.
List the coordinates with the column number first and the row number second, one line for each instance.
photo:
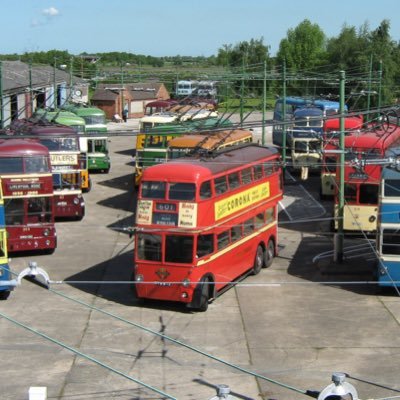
column 302, row 101
column 208, row 140
column 193, row 169
column 164, row 117
column 377, row 139
column 333, row 124
column 161, row 103
column 62, row 117
column 21, row 147
column 31, row 127
column 200, row 126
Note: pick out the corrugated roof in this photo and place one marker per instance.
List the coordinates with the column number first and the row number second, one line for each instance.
column 15, row 76
column 138, row 91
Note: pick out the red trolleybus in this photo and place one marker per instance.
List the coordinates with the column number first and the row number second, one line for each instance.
column 28, row 195
column 330, row 156
column 204, row 222
column 63, row 144
column 362, row 176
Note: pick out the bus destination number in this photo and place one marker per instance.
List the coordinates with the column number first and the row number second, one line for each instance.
column 165, row 207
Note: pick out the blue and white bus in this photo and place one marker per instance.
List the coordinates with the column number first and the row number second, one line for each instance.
column 388, row 229
column 293, row 105
column 4, row 268
column 304, row 121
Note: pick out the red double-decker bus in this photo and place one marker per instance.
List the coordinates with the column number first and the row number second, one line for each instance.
column 330, row 156
column 362, row 175
column 66, row 164
column 28, row 195
column 203, row 223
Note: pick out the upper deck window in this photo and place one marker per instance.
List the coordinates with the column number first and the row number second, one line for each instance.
column 11, row 164
column 233, row 179
column 182, row 191
column 205, row 190
column 246, row 176
column 153, row 190
column 37, row 164
column 220, row 185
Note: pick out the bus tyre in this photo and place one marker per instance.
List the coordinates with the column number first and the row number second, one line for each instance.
column 4, row 294
column 258, row 260
column 269, row 253
column 201, row 295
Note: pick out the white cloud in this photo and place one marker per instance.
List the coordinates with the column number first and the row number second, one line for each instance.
column 50, row 12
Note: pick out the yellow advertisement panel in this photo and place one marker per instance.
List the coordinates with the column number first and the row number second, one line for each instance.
column 241, row 200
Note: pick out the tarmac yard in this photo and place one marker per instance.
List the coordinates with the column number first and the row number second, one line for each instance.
column 278, row 335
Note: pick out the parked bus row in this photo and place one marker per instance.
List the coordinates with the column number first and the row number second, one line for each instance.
column 157, row 130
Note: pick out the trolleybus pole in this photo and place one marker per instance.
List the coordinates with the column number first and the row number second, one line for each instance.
column 340, row 239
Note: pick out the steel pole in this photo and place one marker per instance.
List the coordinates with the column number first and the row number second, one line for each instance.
column 264, row 103
column 340, row 235
column 284, row 119
column 1, row 97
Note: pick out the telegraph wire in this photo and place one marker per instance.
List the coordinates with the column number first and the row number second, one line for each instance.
column 86, row 356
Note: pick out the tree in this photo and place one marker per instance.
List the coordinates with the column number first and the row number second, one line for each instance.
column 245, row 58
column 303, row 47
column 302, row 50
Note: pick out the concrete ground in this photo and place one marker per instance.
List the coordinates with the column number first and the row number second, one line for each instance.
column 277, row 335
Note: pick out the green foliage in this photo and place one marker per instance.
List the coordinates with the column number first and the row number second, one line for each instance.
column 303, row 47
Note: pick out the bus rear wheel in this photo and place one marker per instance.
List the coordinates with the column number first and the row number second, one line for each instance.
column 269, row 253
column 258, row 260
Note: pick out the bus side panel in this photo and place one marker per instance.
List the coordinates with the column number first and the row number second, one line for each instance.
column 388, row 272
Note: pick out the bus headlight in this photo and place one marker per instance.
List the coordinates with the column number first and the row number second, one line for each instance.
column 186, row 282
column 76, row 201
column 46, row 232
column 372, row 218
column 184, row 295
column 139, row 278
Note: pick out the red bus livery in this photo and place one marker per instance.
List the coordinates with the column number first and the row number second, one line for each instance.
column 28, row 195
column 66, row 163
column 362, row 175
column 202, row 223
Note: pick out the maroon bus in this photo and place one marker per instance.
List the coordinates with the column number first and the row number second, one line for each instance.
column 66, row 164
column 27, row 186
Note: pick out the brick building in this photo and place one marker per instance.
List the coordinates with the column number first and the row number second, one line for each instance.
column 113, row 98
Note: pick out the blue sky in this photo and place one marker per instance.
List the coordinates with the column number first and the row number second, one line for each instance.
column 175, row 27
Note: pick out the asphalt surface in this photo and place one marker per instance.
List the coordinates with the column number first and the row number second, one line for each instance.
column 277, row 335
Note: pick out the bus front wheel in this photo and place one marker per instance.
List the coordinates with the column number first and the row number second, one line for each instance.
column 201, row 296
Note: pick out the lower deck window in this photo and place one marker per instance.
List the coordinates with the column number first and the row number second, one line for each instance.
column 179, row 249
column 205, row 245
column 149, row 247
column 391, row 241
column 369, row 194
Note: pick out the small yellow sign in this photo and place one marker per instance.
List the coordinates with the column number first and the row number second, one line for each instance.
column 241, row 200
